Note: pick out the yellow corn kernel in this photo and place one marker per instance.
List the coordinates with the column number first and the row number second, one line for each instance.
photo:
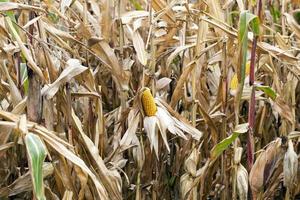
column 247, row 68
column 234, row 80
column 148, row 103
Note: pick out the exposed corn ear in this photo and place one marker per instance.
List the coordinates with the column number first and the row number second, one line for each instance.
column 148, row 103
column 234, row 81
column 247, row 68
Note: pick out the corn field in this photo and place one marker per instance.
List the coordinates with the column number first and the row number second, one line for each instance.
column 149, row 99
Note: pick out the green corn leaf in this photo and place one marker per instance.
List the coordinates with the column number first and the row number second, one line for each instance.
column 246, row 19
column 24, row 77
column 224, row 144
column 11, row 15
column 136, row 4
column 255, row 25
column 53, row 17
column 275, row 12
column 268, row 91
column 36, row 152
column 24, row 50
column 296, row 16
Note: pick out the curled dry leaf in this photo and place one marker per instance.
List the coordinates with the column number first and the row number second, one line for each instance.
column 8, row 6
column 128, row 17
column 167, row 14
column 178, row 91
column 15, row 94
column 68, row 195
column 191, row 162
column 133, row 122
column 186, row 183
column 138, row 153
column 282, row 108
column 72, row 69
column 178, row 50
column 139, row 46
column 162, row 83
column 293, row 23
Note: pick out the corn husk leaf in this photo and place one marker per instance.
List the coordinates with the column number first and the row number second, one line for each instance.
column 290, row 167
column 242, row 182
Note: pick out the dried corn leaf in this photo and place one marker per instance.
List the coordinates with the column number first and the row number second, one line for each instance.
column 109, row 180
column 7, row 6
column 72, row 69
column 24, row 182
column 162, row 6
column 139, row 46
column 293, row 24
column 24, row 50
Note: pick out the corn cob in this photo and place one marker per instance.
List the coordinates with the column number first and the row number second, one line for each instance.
column 148, row 103
column 234, row 81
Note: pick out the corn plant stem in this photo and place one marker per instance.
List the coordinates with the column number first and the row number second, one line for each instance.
column 100, row 142
column 234, row 168
column 121, row 30
column 194, row 112
column 197, row 53
column 234, row 177
column 153, row 64
column 224, row 120
column 138, row 180
column 293, row 99
column 287, row 194
column 34, row 101
column 283, row 18
column 251, row 113
column 123, row 95
column 138, row 186
column 152, row 71
column 84, row 40
column 235, row 145
column 194, row 104
column 250, row 139
column 152, row 48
